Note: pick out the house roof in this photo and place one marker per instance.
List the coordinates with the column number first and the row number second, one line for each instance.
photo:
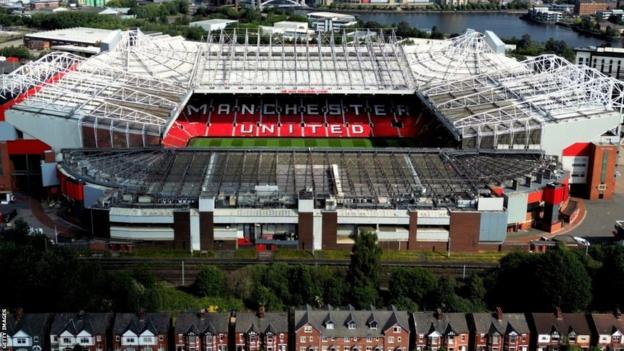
column 363, row 320
column 198, row 323
column 443, row 323
column 486, row 322
column 546, row 323
column 157, row 323
column 94, row 323
column 608, row 323
column 275, row 322
column 33, row 324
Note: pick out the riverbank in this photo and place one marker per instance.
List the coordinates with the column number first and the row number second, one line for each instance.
column 504, row 24
column 400, row 10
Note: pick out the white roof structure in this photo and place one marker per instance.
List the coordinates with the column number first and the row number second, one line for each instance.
column 143, row 82
column 464, row 56
column 546, row 90
column 89, row 36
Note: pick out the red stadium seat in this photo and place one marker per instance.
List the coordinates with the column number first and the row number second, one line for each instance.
column 296, row 117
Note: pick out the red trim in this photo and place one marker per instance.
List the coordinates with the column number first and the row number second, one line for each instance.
column 577, row 149
column 26, row 147
column 535, row 196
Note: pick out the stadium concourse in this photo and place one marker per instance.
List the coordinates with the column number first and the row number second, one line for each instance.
column 454, row 143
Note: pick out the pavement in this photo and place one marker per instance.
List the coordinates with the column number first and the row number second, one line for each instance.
column 601, row 214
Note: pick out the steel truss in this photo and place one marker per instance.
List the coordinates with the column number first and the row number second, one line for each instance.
column 244, row 60
column 542, row 90
column 389, row 178
column 466, row 55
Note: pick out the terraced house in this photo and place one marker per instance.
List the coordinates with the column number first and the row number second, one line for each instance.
column 141, row 331
column 607, row 330
column 206, row 331
column 554, row 331
column 26, row 332
column 351, row 330
column 87, row 330
column 497, row 331
column 437, row 330
column 263, row 330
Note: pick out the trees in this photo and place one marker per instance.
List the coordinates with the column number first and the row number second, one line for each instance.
column 609, row 280
column 364, row 268
column 210, row 281
column 412, row 286
column 558, row 279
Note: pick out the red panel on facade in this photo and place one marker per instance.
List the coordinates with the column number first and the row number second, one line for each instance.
column 577, row 149
column 27, row 147
column 555, row 195
column 535, row 196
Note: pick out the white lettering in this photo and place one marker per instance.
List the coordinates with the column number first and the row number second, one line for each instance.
column 268, row 109
column 356, row 108
column 202, row 109
column 247, row 130
column 335, row 129
column 267, row 128
column 313, row 109
column 223, row 109
column 334, row 109
column 357, row 129
column 314, row 127
column 401, row 110
column 290, row 109
column 248, row 109
column 380, row 110
column 290, row 129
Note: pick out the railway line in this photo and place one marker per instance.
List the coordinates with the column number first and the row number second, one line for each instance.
column 182, row 271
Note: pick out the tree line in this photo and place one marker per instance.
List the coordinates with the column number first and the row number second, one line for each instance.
column 54, row 279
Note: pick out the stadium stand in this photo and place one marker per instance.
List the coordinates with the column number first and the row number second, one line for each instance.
column 294, row 116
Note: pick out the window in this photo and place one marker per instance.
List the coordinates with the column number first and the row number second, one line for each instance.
column 66, row 340
column 84, row 340
column 117, row 338
column 329, row 325
column 391, row 340
column 310, row 338
column 302, row 339
column 307, row 329
column 346, row 339
column 397, row 329
column 149, row 339
column 130, row 340
column 351, row 325
column 373, row 325
column 398, row 339
column 21, row 341
column 369, row 339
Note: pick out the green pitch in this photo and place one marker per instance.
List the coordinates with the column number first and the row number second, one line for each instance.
column 299, row 142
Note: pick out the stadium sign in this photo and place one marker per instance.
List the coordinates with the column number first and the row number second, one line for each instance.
column 312, row 109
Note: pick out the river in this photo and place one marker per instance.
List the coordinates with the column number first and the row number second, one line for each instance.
column 505, row 25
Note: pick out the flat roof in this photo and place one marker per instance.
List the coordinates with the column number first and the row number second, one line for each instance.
column 83, row 35
column 331, row 15
column 277, row 178
column 214, row 21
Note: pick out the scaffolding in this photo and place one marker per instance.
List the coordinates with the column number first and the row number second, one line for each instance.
column 277, row 178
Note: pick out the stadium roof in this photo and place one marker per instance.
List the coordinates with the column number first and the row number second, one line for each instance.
column 356, row 178
column 467, row 55
column 69, row 86
column 546, row 89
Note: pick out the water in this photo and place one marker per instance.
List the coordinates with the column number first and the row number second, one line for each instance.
column 503, row 24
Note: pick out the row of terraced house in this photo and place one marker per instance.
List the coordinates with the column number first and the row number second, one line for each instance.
column 327, row 329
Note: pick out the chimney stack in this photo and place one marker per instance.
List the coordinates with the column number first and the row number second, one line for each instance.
column 438, row 314
column 618, row 314
column 19, row 313
column 141, row 314
column 499, row 313
column 558, row 313
column 261, row 311
column 202, row 314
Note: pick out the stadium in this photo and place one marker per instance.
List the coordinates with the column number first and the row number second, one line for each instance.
column 247, row 139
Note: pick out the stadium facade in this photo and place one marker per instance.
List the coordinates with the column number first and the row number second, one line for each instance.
column 503, row 141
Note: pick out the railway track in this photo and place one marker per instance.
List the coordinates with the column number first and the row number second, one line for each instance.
column 182, row 271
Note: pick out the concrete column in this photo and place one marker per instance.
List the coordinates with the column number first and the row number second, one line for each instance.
column 206, row 223
column 412, row 243
column 182, row 229
column 330, row 229
column 306, row 224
